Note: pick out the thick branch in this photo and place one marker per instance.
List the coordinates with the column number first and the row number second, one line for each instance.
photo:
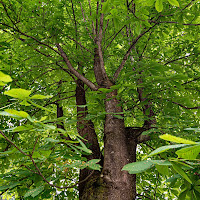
column 99, row 52
column 76, row 73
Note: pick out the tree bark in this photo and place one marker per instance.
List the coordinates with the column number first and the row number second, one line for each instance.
column 120, row 183
column 86, row 129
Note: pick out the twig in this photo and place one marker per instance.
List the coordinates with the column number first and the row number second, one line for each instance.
column 115, row 36
column 188, row 108
column 35, row 145
column 42, row 43
column 128, row 53
column 13, row 144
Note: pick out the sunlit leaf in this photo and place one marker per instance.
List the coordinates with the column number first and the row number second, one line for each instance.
column 162, row 169
column 5, row 78
column 166, row 148
column 138, row 167
column 174, row 3
column 17, row 113
column 18, row 93
column 172, row 138
column 159, row 5
column 34, row 192
column 39, row 96
column 189, row 152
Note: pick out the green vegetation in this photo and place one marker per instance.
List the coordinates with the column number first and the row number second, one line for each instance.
column 94, row 92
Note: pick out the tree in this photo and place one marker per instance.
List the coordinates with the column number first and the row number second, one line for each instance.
column 94, row 76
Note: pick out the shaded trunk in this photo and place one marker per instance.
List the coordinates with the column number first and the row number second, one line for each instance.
column 86, row 130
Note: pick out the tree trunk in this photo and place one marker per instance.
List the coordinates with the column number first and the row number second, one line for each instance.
column 86, row 129
column 113, row 183
column 116, row 155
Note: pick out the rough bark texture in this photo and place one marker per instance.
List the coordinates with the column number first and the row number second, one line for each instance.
column 112, row 183
column 119, row 149
column 116, row 155
column 86, row 129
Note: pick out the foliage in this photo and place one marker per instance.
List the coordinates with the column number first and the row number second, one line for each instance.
column 188, row 159
column 157, row 40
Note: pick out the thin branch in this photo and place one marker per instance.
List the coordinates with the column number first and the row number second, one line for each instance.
column 171, row 22
column 78, row 43
column 13, row 144
column 115, row 36
column 106, row 27
column 73, row 71
column 85, row 22
column 146, row 44
column 29, row 169
column 98, row 42
column 60, row 187
column 128, row 53
column 195, row 79
column 143, row 196
column 180, row 58
column 35, row 145
column 188, row 108
column 42, row 43
column 39, row 172
column 8, row 14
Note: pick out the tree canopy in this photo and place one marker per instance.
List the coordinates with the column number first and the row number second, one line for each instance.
column 90, row 87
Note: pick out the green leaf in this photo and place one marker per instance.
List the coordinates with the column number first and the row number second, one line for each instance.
column 92, row 164
column 159, row 5
column 193, row 129
column 182, row 195
column 83, row 147
column 179, row 170
column 138, row 167
column 105, row 90
column 22, row 128
column 166, row 148
column 138, row 28
column 17, row 113
column 51, row 140
column 39, row 96
column 9, row 152
column 162, row 169
column 41, row 107
column 25, row 103
column 10, row 186
column 189, row 153
column 2, row 83
column 5, row 78
column 161, row 162
column 34, row 192
column 118, row 116
column 172, row 138
column 1, row 136
column 105, row 7
column 18, row 93
column 174, row 2
column 46, row 154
